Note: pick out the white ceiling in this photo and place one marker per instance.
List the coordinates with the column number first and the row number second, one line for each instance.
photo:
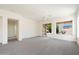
column 39, row 11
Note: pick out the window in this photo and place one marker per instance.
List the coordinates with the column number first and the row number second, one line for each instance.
column 64, row 27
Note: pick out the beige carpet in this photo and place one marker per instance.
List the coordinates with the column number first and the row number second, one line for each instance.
column 39, row 46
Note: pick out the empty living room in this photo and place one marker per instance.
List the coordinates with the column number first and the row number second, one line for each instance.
column 39, row 29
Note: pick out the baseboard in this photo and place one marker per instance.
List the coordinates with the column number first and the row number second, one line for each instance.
column 4, row 42
column 32, row 37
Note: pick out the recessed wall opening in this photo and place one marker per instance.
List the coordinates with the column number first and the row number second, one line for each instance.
column 12, row 30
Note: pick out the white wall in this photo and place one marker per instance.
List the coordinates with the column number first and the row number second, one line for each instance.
column 1, row 29
column 77, row 27
column 78, row 30
column 30, row 28
column 54, row 35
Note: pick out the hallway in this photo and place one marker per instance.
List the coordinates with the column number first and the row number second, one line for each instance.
column 39, row 46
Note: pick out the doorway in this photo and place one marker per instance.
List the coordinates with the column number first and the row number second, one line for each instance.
column 13, row 30
column 47, row 28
